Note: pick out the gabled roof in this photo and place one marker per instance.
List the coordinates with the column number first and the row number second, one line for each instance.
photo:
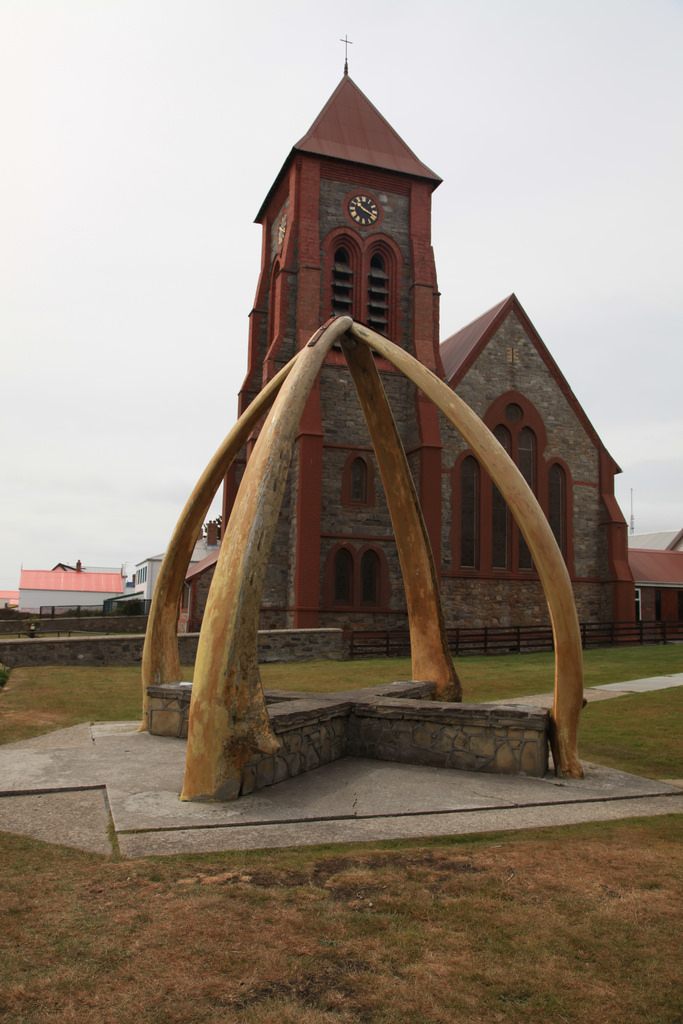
column 349, row 127
column 461, row 350
column 676, row 543
column 152, row 558
column 456, row 349
column 199, row 567
column 81, row 582
column 662, row 568
column 669, row 540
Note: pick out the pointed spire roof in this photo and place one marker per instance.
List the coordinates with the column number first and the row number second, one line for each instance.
column 351, row 128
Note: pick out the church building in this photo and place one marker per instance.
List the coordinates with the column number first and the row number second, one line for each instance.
column 347, row 230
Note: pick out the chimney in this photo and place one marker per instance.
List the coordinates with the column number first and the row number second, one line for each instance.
column 212, row 534
column 79, row 566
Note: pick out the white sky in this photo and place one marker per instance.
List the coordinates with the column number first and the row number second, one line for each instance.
column 139, row 139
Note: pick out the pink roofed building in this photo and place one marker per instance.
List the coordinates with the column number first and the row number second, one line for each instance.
column 9, row 598
column 39, row 588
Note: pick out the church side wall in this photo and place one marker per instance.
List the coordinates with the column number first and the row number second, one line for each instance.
column 356, row 526
column 508, row 598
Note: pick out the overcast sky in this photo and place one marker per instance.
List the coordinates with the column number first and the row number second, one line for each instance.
column 139, row 139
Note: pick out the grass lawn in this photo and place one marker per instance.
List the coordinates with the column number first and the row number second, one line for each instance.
column 483, row 678
column 565, row 925
column 639, row 733
column 573, row 925
column 633, row 733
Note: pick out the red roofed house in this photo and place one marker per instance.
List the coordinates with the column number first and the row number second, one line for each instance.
column 62, row 587
column 347, row 229
column 657, row 567
column 9, row 598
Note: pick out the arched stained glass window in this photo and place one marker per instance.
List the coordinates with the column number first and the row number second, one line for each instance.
column 500, row 516
column 469, row 513
column 343, row 577
column 359, row 481
column 369, row 576
column 526, row 459
column 557, row 505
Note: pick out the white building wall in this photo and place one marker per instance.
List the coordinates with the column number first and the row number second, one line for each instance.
column 33, row 600
column 145, row 589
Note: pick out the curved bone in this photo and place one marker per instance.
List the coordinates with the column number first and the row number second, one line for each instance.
column 160, row 658
column 533, row 524
column 429, row 649
column 228, row 716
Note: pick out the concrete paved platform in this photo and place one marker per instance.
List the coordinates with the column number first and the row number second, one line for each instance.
column 78, row 819
column 63, row 787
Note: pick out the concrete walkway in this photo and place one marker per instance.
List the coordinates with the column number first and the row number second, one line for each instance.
column 71, row 785
column 607, row 691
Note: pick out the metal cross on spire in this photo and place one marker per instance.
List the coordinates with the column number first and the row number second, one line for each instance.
column 347, row 42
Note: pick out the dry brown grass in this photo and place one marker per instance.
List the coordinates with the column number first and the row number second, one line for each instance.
column 572, row 926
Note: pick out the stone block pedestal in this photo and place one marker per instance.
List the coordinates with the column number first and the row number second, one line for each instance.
column 395, row 722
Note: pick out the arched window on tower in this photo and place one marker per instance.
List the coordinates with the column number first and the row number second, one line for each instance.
column 359, row 481
column 557, row 505
column 342, row 283
column 343, row 577
column 500, row 515
column 369, row 577
column 378, row 294
column 469, row 513
column 526, row 460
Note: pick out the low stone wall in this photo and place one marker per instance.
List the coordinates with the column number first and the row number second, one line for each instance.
column 302, row 645
column 72, row 650
column 473, row 737
column 77, row 624
column 397, row 722
column 274, row 645
column 311, row 735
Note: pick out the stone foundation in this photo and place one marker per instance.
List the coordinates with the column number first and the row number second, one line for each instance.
column 395, row 722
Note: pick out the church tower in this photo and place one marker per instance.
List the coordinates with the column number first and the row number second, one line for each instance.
column 346, row 229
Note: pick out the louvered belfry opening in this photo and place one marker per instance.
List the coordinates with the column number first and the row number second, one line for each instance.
column 342, row 283
column 378, row 294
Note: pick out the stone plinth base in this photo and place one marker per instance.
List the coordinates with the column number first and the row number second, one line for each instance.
column 508, row 740
column 395, row 722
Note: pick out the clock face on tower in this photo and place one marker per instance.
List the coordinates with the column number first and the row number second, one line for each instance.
column 363, row 210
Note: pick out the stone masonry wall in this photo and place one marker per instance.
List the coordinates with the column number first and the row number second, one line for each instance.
column 86, row 624
column 476, row 600
column 358, row 526
column 395, row 223
column 396, row 722
column 274, row 645
column 471, row 737
column 479, row 602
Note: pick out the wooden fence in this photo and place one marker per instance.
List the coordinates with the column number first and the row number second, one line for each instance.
column 514, row 639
